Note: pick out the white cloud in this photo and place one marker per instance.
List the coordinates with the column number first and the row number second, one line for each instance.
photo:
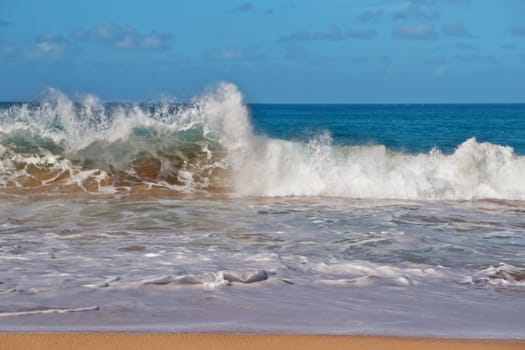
column 420, row 31
column 334, row 33
column 456, row 29
column 47, row 47
column 128, row 38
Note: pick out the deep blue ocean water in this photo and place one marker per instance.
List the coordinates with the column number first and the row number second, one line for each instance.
column 409, row 128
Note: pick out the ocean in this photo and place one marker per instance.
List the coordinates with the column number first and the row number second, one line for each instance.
column 219, row 216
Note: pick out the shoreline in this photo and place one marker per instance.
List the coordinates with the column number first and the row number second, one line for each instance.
column 130, row 341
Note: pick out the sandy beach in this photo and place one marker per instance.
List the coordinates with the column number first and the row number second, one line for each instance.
column 103, row 341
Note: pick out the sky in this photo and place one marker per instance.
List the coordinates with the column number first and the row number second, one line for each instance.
column 307, row 51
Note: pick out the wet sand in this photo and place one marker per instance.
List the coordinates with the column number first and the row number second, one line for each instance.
column 105, row 341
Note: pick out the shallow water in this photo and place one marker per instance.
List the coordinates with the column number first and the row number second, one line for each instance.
column 313, row 265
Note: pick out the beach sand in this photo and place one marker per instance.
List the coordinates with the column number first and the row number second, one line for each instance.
column 105, row 341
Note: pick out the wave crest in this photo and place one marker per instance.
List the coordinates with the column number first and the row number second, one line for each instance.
column 209, row 145
column 93, row 147
column 319, row 168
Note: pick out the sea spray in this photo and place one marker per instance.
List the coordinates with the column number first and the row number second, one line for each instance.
column 474, row 171
column 176, row 147
column 210, row 145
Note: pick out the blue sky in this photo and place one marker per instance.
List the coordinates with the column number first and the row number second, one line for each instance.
column 309, row 51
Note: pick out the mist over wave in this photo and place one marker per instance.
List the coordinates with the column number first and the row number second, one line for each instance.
column 209, row 145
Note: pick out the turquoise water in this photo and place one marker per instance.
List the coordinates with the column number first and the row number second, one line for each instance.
column 218, row 216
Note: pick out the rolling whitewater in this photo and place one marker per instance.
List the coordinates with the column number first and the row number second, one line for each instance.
column 220, row 216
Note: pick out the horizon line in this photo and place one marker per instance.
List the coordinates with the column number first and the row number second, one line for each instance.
column 296, row 103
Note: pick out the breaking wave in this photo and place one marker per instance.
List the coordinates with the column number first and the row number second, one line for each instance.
column 209, row 146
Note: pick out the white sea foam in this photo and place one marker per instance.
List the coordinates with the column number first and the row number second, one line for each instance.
column 271, row 167
column 363, row 273
column 257, row 165
column 474, row 171
column 44, row 311
column 208, row 280
column 501, row 275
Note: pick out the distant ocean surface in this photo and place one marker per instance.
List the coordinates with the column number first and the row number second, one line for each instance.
column 219, row 216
